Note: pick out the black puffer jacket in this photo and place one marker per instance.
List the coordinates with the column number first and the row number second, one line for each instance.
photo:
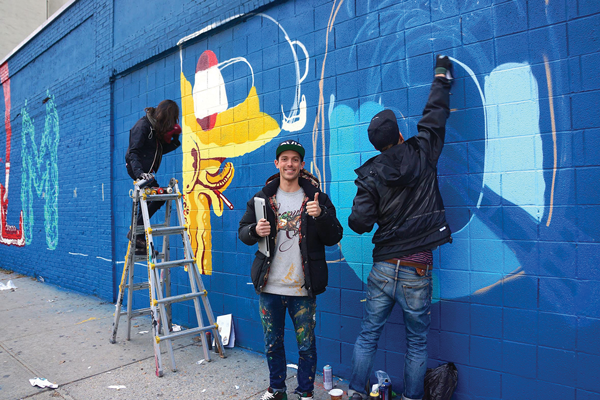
column 398, row 189
column 145, row 151
column 315, row 234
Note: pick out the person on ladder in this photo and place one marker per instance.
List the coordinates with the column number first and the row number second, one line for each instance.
column 153, row 135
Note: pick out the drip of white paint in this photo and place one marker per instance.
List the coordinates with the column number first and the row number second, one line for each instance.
column 78, row 254
column 105, row 259
column 75, row 192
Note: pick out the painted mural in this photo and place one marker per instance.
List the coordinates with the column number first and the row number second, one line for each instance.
column 39, row 174
column 9, row 235
column 515, row 293
column 505, row 152
column 40, row 171
column 214, row 129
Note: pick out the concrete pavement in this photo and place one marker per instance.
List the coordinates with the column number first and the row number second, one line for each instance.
column 63, row 336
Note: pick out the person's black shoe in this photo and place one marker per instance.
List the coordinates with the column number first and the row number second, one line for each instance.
column 140, row 245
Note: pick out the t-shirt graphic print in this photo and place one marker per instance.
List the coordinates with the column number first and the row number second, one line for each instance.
column 286, row 276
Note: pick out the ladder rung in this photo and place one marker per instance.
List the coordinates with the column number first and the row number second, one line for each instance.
column 172, row 196
column 144, row 257
column 170, row 264
column 170, row 230
column 140, row 228
column 140, row 286
column 186, row 332
column 178, row 298
column 138, row 312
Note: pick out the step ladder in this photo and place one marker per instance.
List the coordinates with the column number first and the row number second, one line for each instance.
column 159, row 266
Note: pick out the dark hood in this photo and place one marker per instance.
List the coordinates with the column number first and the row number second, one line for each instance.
column 397, row 166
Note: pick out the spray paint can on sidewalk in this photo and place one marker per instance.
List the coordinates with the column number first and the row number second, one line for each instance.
column 327, row 377
column 209, row 340
column 385, row 390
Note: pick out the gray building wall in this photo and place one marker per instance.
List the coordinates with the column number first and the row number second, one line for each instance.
column 19, row 18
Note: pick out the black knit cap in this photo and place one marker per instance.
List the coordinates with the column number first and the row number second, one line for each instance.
column 290, row 145
column 383, row 129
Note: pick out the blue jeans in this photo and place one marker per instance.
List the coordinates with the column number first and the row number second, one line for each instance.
column 302, row 312
column 387, row 285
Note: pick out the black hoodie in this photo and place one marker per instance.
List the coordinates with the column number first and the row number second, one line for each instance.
column 398, row 189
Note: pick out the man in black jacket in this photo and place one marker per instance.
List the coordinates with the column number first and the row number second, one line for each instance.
column 300, row 221
column 153, row 135
column 398, row 190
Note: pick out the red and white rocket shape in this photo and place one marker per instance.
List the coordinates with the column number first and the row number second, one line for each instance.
column 210, row 97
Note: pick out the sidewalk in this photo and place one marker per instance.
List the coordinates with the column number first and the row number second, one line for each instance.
column 63, row 336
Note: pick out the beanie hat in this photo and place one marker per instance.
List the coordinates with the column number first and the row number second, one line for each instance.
column 383, row 129
column 290, row 145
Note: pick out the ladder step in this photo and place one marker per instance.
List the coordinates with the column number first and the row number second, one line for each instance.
column 140, row 228
column 144, row 257
column 138, row 312
column 170, row 264
column 170, row 230
column 181, row 297
column 186, row 332
column 156, row 197
column 140, row 286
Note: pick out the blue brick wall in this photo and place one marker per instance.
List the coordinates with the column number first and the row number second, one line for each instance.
column 516, row 293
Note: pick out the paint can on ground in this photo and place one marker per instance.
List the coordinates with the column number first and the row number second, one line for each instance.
column 209, row 340
column 374, row 393
column 385, row 390
column 336, row 394
column 327, row 377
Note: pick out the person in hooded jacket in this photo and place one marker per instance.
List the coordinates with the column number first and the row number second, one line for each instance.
column 153, row 135
column 300, row 221
column 398, row 189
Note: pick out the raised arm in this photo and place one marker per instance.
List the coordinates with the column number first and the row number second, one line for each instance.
column 432, row 126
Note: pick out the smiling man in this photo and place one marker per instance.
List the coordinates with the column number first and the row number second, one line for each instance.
column 300, row 221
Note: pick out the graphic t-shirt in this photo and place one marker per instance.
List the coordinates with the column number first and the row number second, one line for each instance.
column 286, row 276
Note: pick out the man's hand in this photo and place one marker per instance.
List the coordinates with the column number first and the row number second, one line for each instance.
column 263, row 228
column 145, row 177
column 313, row 208
column 443, row 67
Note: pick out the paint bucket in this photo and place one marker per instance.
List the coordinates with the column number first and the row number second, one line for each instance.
column 336, row 394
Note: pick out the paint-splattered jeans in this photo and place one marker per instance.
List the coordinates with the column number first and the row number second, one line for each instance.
column 302, row 312
column 387, row 285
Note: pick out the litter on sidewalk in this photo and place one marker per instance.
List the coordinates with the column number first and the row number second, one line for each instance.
column 9, row 286
column 118, row 387
column 43, row 383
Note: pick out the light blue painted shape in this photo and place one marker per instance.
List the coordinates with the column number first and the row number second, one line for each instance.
column 514, row 144
column 348, row 137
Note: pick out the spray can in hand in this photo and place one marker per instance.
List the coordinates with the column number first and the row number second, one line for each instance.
column 327, row 377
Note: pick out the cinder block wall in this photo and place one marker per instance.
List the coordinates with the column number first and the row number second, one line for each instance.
column 516, row 293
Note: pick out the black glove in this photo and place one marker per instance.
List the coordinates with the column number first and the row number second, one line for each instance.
column 443, row 65
column 145, row 177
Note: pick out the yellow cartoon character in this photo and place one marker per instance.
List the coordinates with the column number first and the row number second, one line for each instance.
column 213, row 131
